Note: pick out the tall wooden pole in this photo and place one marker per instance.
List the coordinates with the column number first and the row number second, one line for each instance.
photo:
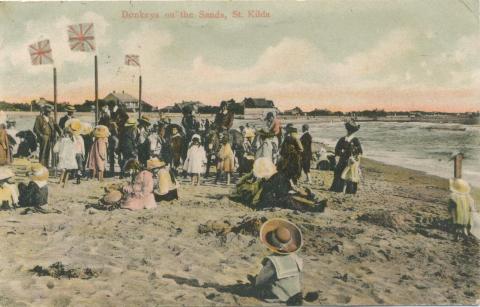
column 457, row 165
column 55, row 94
column 139, row 96
column 96, row 91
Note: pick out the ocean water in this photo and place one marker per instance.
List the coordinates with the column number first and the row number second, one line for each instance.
column 411, row 145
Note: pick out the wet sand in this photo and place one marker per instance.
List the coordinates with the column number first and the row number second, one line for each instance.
column 386, row 245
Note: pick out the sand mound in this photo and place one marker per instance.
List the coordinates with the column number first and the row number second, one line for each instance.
column 383, row 218
column 246, row 226
column 59, row 270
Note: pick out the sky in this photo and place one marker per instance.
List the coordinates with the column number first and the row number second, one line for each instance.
column 340, row 55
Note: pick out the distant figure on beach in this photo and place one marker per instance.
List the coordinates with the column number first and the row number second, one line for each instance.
column 66, row 151
column 143, row 144
column 196, row 160
column 306, row 140
column 5, row 153
column 461, row 208
column 224, row 118
column 347, row 172
column 44, row 128
column 98, row 153
column 35, row 194
column 274, row 126
column 8, row 191
column 280, row 279
column 70, row 110
column 290, row 162
column 226, row 160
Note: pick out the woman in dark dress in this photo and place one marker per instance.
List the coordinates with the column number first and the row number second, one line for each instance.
column 348, row 149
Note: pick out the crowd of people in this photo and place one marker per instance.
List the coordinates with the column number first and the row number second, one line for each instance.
column 269, row 161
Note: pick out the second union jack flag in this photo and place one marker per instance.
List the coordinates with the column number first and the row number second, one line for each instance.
column 41, row 53
column 81, row 37
column 132, row 59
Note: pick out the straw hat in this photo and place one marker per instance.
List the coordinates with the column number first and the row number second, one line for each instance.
column 38, row 172
column 459, row 186
column 155, row 163
column 70, row 108
column 75, row 125
column 281, row 236
column 264, row 168
column 101, row 131
column 112, row 197
column 86, row 128
column 145, row 119
column 249, row 133
column 6, row 173
column 131, row 122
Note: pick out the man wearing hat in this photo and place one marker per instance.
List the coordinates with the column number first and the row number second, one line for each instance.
column 143, row 143
column 279, row 281
column 45, row 128
column 70, row 110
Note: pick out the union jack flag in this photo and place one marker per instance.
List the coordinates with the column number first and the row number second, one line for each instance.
column 41, row 53
column 81, row 37
column 132, row 59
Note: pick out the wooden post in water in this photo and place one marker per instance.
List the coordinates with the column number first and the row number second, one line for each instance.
column 96, row 91
column 139, row 96
column 457, row 165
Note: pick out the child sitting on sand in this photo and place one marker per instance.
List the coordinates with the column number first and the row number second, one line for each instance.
column 279, row 281
column 226, row 160
column 139, row 194
column 196, row 160
column 35, row 194
column 8, row 191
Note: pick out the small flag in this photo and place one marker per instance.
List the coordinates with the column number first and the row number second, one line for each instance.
column 132, row 60
column 41, row 53
column 81, row 37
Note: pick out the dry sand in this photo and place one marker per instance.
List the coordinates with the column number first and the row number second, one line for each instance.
column 386, row 245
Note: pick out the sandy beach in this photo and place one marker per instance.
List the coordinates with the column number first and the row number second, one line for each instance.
column 386, row 245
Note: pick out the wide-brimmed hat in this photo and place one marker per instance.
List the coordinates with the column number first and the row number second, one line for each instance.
column 458, row 185
column 75, row 125
column 38, row 172
column 70, row 109
column 351, row 125
column 112, row 197
column 249, row 133
column 87, row 128
column 6, row 173
column 46, row 107
column 144, row 119
column 281, row 236
column 264, row 168
column 101, row 131
column 131, row 122
column 155, row 163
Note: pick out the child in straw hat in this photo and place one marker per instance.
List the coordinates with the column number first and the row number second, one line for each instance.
column 8, row 191
column 65, row 148
column 98, row 152
column 279, row 281
column 35, row 194
column 462, row 208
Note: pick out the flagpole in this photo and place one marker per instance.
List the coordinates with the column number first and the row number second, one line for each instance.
column 96, row 91
column 55, row 94
column 139, row 96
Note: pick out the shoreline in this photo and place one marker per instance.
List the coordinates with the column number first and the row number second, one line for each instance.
column 385, row 245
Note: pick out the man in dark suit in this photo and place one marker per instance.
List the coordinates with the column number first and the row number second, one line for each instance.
column 45, row 129
column 69, row 115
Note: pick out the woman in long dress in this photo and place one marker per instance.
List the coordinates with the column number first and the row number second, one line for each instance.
column 349, row 150
column 226, row 160
column 5, row 156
